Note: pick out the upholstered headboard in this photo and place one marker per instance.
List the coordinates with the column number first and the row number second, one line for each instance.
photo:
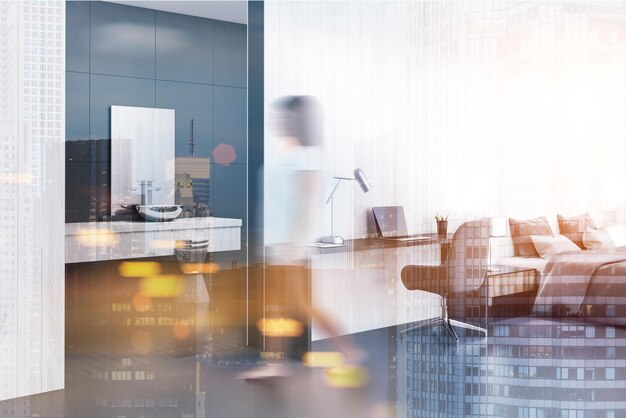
column 503, row 246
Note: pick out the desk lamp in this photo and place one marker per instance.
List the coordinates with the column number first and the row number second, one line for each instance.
column 365, row 185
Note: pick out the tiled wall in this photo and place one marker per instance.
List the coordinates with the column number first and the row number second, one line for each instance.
column 130, row 56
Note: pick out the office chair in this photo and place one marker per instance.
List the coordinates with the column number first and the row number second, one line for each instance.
column 464, row 270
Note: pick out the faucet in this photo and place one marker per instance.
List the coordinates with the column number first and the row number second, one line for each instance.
column 202, row 208
column 146, row 191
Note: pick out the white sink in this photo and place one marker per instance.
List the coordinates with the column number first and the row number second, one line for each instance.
column 159, row 213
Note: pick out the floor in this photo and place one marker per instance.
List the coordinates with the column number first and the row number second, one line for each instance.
column 131, row 357
column 527, row 367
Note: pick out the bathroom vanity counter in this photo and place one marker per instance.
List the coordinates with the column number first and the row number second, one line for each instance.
column 102, row 241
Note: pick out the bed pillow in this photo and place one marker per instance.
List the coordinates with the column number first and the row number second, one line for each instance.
column 573, row 227
column 598, row 239
column 521, row 230
column 617, row 233
column 549, row 245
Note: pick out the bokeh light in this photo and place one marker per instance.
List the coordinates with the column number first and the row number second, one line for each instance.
column 280, row 327
column 384, row 409
column 209, row 268
column 162, row 286
column 346, row 377
column 141, row 302
column 96, row 238
column 181, row 331
column 164, row 244
column 139, row 268
column 16, row 178
column 224, row 154
column 323, row 359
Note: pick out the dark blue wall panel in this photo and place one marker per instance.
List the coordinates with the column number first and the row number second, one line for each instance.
column 129, row 56
column 77, row 204
column 76, row 106
column 191, row 101
column 122, row 40
column 184, row 48
column 77, row 151
column 107, row 91
column 77, row 36
column 256, row 139
column 230, row 120
column 230, row 54
column 230, row 196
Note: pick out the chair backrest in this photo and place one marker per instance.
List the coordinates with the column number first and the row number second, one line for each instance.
column 468, row 257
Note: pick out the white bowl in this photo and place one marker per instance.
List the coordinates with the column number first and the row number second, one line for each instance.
column 159, row 213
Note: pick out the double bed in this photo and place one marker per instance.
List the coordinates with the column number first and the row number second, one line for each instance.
column 589, row 284
column 585, row 283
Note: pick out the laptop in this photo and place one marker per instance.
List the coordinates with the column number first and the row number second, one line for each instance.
column 391, row 224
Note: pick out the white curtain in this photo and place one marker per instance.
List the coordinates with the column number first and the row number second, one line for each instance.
column 32, row 188
column 474, row 108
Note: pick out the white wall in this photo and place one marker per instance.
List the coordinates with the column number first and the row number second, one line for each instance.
column 473, row 108
column 32, row 187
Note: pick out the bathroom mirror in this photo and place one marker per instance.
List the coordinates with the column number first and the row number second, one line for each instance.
column 142, row 156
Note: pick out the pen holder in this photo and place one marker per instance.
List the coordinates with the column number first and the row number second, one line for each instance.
column 442, row 228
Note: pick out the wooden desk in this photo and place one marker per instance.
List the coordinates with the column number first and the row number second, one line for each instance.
column 364, row 244
column 359, row 285
column 374, row 244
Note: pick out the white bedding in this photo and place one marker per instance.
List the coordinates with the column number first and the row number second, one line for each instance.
column 571, row 278
column 537, row 263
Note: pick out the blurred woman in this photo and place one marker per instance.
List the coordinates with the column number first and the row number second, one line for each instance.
column 294, row 205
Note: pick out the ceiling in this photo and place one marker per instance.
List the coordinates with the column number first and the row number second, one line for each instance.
column 230, row 11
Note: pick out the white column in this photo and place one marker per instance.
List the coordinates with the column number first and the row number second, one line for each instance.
column 32, row 186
